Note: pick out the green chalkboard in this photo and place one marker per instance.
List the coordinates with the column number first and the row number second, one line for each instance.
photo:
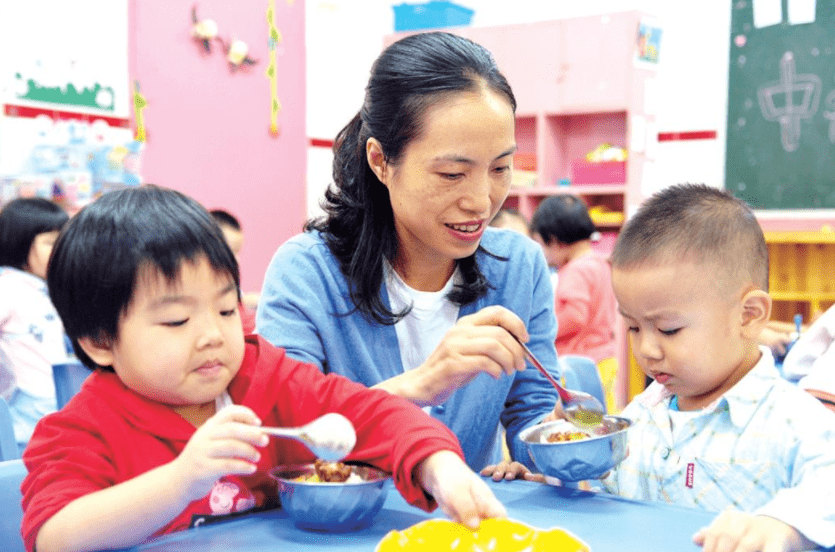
column 780, row 151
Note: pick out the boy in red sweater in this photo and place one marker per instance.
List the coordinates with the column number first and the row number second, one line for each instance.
column 165, row 432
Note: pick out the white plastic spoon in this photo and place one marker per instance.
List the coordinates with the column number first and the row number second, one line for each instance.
column 330, row 437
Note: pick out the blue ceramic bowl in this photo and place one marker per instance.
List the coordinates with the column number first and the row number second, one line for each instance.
column 332, row 507
column 588, row 458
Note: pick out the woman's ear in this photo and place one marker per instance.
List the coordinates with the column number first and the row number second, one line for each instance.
column 100, row 350
column 376, row 159
column 756, row 312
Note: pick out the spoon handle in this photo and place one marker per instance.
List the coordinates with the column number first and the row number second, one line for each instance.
column 290, row 432
column 564, row 396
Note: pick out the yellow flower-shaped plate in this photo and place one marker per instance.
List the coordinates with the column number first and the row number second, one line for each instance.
column 493, row 535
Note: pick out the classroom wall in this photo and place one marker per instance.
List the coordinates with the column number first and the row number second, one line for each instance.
column 209, row 128
column 690, row 91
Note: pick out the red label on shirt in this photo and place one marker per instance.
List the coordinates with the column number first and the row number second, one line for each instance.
column 689, row 480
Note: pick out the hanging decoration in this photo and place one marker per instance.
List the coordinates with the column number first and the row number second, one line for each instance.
column 139, row 104
column 236, row 53
column 203, row 31
column 274, row 41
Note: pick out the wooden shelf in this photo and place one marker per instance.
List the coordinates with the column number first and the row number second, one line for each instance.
column 801, row 296
column 800, row 275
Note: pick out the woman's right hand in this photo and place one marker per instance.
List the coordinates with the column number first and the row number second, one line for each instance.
column 225, row 444
column 480, row 342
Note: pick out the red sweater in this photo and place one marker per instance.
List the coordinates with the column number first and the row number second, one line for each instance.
column 108, row 434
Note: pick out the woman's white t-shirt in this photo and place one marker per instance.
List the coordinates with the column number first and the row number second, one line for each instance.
column 432, row 315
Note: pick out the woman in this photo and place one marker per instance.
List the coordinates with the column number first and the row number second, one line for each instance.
column 401, row 285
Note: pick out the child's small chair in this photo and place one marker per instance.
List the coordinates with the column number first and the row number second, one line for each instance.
column 68, row 378
column 12, row 473
column 8, row 444
column 580, row 373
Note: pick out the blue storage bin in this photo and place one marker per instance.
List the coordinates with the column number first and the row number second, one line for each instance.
column 430, row 15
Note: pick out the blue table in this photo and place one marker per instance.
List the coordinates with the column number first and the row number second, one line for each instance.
column 606, row 523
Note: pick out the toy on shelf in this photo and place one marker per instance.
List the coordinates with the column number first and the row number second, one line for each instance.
column 605, row 164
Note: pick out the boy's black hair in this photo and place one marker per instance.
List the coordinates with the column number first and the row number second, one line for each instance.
column 697, row 222
column 225, row 218
column 97, row 259
column 564, row 218
column 21, row 220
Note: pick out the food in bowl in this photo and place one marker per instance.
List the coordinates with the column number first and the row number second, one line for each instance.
column 498, row 534
column 559, row 436
column 331, row 472
column 318, row 505
column 581, row 459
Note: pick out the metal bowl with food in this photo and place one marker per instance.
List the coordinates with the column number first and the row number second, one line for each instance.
column 559, row 449
column 319, row 505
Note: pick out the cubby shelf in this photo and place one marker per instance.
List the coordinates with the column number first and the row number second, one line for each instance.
column 800, row 273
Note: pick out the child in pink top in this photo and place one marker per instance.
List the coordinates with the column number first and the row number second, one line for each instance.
column 585, row 302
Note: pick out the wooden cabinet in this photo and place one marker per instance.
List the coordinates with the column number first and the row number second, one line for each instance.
column 801, row 279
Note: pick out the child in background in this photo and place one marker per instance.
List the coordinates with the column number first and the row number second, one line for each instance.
column 585, row 303
column 811, row 360
column 31, row 334
column 511, row 219
column 149, row 291
column 719, row 429
column 234, row 235
column 231, row 228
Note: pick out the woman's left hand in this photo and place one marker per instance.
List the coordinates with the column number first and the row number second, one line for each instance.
column 511, row 470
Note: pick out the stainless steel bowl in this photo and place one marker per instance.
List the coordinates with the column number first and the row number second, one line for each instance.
column 331, row 506
column 587, row 458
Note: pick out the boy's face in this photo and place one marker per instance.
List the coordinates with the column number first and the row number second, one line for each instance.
column 180, row 343
column 685, row 333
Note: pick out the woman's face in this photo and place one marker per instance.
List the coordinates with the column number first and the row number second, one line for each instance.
column 449, row 183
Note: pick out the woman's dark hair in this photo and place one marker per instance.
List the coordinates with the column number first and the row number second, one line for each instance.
column 98, row 257
column 20, row 221
column 564, row 218
column 409, row 77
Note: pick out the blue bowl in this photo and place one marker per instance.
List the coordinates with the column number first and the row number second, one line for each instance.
column 331, row 507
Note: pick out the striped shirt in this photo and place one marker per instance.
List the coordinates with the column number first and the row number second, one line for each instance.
column 765, row 447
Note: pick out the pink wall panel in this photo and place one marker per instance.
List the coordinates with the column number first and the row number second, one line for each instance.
column 208, row 128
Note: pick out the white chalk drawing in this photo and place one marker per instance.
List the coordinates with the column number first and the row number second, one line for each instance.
column 778, row 100
column 830, row 114
column 770, row 12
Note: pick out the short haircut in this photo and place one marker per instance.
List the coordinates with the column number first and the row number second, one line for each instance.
column 225, row 218
column 564, row 218
column 698, row 223
column 508, row 213
column 97, row 260
column 21, row 220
